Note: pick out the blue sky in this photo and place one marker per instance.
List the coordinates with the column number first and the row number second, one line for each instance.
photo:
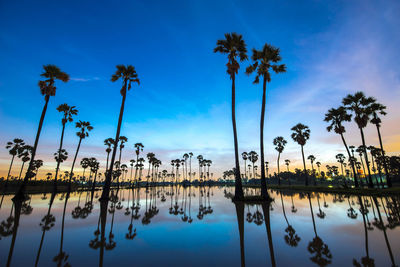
column 183, row 102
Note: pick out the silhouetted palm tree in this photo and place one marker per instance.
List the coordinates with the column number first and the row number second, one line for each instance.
column 47, row 89
column 287, row 162
column 84, row 129
column 279, row 143
column 68, row 112
column 15, row 148
column 301, row 133
column 25, row 156
column 253, row 157
column 245, row 158
column 108, row 142
column 376, row 109
column 139, row 147
column 234, row 46
column 336, row 117
column 264, row 61
column 128, row 75
column 360, row 105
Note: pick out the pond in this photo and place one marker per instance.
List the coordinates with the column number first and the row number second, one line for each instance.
column 200, row 226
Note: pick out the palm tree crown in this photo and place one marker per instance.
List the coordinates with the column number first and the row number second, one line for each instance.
column 301, row 133
column 279, row 143
column 128, row 75
column 235, row 47
column 336, row 116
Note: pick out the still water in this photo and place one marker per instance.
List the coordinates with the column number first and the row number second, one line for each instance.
column 201, row 227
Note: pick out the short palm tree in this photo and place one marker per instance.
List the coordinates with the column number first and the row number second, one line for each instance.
column 379, row 109
column 68, row 112
column 122, row 140
column 128, row 75
column 318, row 166
column 84, row 164
column 287, row 162
column 279, row 143
column 336, row 117
column 138, row 147
column 47, row 89
column 190, row 166
column 234, row 46
column 360, row 105
column 264, row 61
column 245, row 158
column 83, row 132
column 341, row 158
column 301, row 133
column 253, row 157
column 200, row 159
column 311, row 158
column 25, row 156
column 108, row 142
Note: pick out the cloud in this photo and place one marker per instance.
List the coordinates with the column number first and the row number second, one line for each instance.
column 84, row 79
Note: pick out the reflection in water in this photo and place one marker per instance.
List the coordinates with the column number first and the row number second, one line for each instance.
column 159, row 221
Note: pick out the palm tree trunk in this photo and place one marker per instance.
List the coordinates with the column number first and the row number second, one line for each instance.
column 370, row 183
column 238, row 181
column 304, row 164
column 9, row 170
column 59, row 156
column 351, row 162
column 20, row 172
column 107, row 184
column 108, row 155
column 388, row 179
column 279, row 177
column 267, row 221
column 240, row 219
column 264, row 192
column 73, row 162
column 21, row 191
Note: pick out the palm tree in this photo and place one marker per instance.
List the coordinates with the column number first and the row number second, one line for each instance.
column 47, row 89
column 122, row 140
column 311, row 158
column 14, row 148
column 185, row 158
column 132, row 161
column 253, row 157
column 84, row 129
column 336, row 117
column 301, row 133
column 287, row 162
column 235, row 47
column 68, row 112
column 25, row 156
column 84, row 163
column 150, row 158
column 190, row 166
column 200, row 159
column 360, row 105
column 318, row 166
column 264, row 61
column 245, row 158
column 128, row 75
column 376, row 109
column 340, row 158
column 60, row 156
column 139, row 147
column 108, row 142
column 279, row 143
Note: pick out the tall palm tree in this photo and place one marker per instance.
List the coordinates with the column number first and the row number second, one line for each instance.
column 128, row 75
column 336, row 117
column 234, row 46
column 84, row 129
column 279, row 143
column 200, row 159
column 287, row 162
column 190, row 166
column 264, row 61
column 15, row 148
column 47, row 89
column 360, row 105
column 376, row 109
column 68, row 112
column 108, row 142
column 301, row 133
column 245, row 158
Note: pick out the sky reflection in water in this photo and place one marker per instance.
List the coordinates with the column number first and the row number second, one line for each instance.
column 199, row 226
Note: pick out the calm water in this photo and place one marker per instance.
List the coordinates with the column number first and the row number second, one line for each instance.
column 200, row 227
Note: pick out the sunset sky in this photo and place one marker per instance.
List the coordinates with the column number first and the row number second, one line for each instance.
column 183, row 102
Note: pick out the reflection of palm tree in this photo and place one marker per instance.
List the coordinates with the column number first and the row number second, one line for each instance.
column 291, row 238
column 46, row 223
column 322, row 253
column 62, row 257
column 235, row 47
column 17, row 212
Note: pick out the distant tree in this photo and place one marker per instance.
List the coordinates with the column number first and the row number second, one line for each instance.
column 279, row 143
column 301, row 133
